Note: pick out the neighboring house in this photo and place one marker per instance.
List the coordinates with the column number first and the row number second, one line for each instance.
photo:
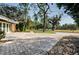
column 7, row 25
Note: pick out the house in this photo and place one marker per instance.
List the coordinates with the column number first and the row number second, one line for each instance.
column 7, row 25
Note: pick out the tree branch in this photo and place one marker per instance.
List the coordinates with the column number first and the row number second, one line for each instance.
column 47, row 8
column 39, row 6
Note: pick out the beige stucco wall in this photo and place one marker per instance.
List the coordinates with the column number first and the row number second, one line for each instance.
column 13, row 27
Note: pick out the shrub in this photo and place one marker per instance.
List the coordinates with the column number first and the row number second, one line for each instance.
column 2, row 34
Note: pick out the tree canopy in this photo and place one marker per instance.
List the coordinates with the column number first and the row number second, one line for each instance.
column 71, row 9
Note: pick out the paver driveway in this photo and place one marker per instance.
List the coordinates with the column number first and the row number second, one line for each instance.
column 29, row 43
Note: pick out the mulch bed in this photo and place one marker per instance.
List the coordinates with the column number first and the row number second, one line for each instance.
column 68, row 45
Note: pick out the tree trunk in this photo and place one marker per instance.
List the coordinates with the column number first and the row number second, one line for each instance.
column 24, row 27
column 53, row 27
column 44, row 23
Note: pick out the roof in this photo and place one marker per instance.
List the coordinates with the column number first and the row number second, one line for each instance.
column 8, row 20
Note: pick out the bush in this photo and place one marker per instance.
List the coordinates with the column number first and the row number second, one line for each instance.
column 2, row 34
column 68, row 27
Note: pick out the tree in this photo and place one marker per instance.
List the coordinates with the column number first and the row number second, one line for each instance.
column 24, row 7
column 9, row 11
column 29, row 22
column 67, row 27
column 71, row 9
column 55, row 21
column 35, row 20
column 77, row 21
column 43, row 9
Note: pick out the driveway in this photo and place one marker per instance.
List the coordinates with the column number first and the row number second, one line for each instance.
column 29, row 43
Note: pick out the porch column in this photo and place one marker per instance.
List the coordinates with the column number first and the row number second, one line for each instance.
column 2, row 26
column 8, row 28
column 5, row 27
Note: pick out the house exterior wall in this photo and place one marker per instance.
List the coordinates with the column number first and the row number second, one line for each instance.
column 11, row 27
column 4, row 26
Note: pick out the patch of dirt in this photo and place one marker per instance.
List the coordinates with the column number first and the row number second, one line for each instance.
column 4, row 41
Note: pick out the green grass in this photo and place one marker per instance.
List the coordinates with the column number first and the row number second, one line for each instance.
column 27, row 30
column 41, row 31
column 68, row 31
column 50, row 31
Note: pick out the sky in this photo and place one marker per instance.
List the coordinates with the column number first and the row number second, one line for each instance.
column 65, row 19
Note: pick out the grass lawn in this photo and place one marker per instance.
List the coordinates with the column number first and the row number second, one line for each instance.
column 50, row 31
column 41, row 31
column 69, row 31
